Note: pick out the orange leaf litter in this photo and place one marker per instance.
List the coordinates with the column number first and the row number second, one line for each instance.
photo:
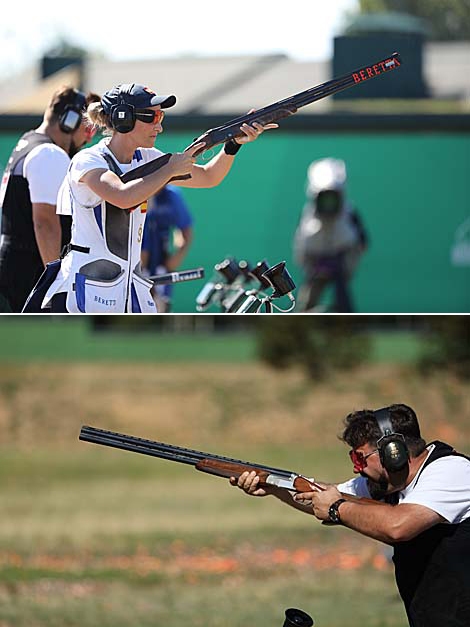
column 179, row 561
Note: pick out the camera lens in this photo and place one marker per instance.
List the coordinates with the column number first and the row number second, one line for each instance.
column 234, row 301
column 258, row 272
column 229, row 269
column 280, row 279
column 205, row 295
column 245, row 269
column 250, row 305
column 297, row 618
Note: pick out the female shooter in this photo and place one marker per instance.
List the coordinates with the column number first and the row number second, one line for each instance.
column 101, row 271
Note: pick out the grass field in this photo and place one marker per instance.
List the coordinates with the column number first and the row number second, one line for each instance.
column 73, row 339
column 95, row 537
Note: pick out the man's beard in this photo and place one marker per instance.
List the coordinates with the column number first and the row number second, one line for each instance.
column 73, row 149
column 377, row 489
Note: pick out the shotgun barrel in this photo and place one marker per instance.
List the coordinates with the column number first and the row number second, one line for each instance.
column 164, row 451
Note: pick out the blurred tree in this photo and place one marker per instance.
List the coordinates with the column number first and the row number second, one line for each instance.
column 65, row 48
column 206, row 323
column 448, row 19
column 448, row 346
column 62, row 54
column 317, row 344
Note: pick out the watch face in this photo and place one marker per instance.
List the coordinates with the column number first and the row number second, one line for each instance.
column 333, row 511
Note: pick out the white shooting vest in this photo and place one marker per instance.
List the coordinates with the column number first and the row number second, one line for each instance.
column 107, row 278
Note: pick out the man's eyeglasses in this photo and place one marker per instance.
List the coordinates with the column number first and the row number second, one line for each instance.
column 359, row 460
column 149, row 116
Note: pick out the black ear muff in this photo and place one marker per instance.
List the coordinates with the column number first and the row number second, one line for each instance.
column 122, row 115
column 393, row 451
column 71, row 117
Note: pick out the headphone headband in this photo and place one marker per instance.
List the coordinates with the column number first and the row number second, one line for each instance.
column 125, row 89
column 384, row 421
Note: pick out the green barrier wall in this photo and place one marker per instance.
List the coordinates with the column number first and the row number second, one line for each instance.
column 412, row 188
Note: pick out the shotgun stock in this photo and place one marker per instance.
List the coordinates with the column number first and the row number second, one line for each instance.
column 207, row 462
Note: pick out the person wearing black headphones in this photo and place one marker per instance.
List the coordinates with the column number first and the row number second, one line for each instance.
column 420, row 506
column 31, row 233
column 101, row 272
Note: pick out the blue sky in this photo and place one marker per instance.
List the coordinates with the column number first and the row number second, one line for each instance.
column 303, row 29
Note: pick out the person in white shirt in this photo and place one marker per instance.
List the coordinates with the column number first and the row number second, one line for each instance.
column 101, row 272
column 31, row 230
column 420, row 506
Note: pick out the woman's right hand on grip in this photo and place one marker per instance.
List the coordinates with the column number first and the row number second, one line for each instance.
column 182, row 162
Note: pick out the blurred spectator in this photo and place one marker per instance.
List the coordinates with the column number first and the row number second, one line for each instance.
column 330, row 237
column 31, row 230
column 168, row 233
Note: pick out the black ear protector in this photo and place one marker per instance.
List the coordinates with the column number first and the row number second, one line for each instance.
column 393, row 451
column 71, row 117
column 122, row 115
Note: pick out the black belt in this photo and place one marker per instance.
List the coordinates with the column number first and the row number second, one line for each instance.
column 68, row 247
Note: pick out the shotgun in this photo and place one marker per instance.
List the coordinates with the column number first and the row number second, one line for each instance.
column 207, row 462
column 177, row 277
column 273, row 112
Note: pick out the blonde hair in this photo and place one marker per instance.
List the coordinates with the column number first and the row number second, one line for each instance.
column 97, row 117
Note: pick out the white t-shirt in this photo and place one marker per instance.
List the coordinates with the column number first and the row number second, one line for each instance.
column 45, row 168
column 443, row 486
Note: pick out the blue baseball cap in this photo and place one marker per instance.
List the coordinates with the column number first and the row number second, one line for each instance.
column 138, row 96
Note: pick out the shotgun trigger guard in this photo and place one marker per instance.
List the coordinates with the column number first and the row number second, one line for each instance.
column 207, row 154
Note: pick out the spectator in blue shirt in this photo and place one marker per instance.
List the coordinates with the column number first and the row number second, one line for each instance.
column 168, row 233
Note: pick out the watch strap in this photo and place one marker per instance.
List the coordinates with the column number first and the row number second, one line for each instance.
column 333, row 511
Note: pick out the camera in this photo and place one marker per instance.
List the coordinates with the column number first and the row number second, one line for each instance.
column 297, row 618
column 238, row 287
column 230, row 275
column 278, row 279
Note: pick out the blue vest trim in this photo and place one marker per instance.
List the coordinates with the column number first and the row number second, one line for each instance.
column 80, row 291
column 98, row 217
column 135, row 301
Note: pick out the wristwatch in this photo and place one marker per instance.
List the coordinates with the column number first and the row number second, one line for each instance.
column 333, row 511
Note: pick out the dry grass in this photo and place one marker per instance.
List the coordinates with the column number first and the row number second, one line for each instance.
column 203, row 405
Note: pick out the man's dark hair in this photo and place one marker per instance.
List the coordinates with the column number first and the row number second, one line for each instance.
column 361, row 427
column 59, row 100
column 66, row 96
